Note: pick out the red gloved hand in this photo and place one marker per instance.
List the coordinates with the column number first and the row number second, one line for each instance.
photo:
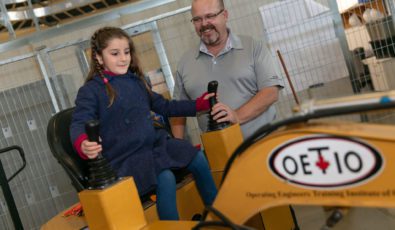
column 202, row 104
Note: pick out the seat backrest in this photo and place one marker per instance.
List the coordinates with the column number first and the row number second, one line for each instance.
column 58, row 137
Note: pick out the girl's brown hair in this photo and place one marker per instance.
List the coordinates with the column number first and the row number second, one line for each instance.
column 99, row 41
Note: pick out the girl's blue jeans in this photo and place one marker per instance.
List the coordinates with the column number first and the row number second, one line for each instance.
column 166, row 189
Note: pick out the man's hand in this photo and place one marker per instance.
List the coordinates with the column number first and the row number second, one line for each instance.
column 250, row 110
column 222, row 113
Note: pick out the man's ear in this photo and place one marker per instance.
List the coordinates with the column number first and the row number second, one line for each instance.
column 226, row 14
column 99, row 59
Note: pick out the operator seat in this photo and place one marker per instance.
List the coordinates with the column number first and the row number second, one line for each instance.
column 77, row 169
column 58, row 138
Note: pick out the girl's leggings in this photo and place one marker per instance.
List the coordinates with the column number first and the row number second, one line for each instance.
column 166, row 189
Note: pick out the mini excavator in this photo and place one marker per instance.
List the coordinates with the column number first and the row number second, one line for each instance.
column 300, row 160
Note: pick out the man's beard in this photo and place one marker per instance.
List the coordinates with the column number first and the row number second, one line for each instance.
column 209, row 40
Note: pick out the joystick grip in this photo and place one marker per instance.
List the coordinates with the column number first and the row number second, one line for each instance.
column 212, row 124
column 92, row 128
column 101, row 174
column 212, row 88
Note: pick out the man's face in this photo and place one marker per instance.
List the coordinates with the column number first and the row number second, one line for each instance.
column 209, row 20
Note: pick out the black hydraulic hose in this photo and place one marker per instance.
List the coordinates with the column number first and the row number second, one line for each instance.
column 223, row 222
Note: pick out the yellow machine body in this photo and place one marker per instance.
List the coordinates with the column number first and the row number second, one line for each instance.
column 252, row 181
column 219, row 146
column 306, row 163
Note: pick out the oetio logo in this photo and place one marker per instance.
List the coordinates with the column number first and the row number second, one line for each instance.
column 325, row 162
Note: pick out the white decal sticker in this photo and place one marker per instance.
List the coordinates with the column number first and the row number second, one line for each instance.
column 325, row 162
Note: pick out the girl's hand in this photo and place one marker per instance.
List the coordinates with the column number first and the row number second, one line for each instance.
column 90, row 149
column 202, row 102
column 208, row 95
column 222, row 113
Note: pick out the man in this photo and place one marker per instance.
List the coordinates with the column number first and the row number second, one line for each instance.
column 248, row 77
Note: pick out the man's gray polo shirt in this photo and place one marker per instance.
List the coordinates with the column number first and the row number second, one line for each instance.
column 243, row 68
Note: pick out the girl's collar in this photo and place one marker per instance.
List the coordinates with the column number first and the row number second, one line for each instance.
column 109, row 73
column 108, row 76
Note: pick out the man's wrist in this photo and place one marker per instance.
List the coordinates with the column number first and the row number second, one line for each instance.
column 237, row 118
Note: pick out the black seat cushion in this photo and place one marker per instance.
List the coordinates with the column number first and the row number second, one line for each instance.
column 61, row 147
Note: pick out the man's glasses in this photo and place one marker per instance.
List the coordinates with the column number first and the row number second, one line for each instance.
column 207, row 17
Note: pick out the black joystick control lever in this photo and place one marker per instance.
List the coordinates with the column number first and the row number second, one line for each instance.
column 212, row 124
column 212, row 88
column 101, row 174
column 92, row 129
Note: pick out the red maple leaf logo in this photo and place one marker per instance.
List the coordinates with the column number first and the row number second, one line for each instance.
column 322, row 164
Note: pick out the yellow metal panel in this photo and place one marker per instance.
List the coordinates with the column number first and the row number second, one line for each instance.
column 278, row 218
column 65, row 223
column 170, row 225
column 116, row 207
column 219, row 145
column 189, row 203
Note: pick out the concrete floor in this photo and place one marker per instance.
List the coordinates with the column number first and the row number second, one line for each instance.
column 313, row 218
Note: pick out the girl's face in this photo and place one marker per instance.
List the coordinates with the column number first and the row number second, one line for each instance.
column 116, row 56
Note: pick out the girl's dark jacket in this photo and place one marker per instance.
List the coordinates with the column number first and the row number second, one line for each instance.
column 130, row 142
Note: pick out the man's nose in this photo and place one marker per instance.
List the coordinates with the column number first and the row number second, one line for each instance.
column 205, row 21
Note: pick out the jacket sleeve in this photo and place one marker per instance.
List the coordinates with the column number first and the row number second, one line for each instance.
column 172, row 108
column 86, row 109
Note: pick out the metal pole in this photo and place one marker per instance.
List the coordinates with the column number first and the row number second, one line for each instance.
column 10, row 200
column 288, row 77
column 82, row 58
column 48, row 83
column 160, row 49
column 5, row 20
column 52, row 75
column 341, row 35
column 33, row 15
column 104, row 17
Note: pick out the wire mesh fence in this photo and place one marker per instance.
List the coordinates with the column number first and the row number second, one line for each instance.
column 327, row 51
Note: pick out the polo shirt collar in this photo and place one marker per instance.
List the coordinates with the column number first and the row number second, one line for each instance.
column 233, row 42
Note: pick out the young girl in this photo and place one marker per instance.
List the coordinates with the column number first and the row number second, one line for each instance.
column 116, row 94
